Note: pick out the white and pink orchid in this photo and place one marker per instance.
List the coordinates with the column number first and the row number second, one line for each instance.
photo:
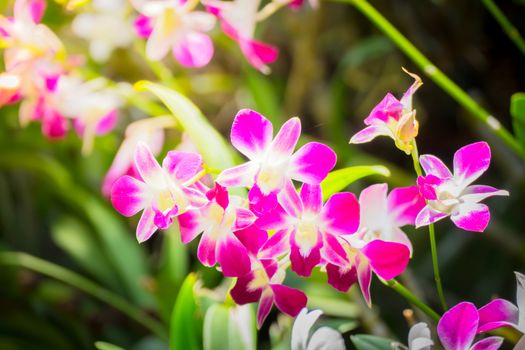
column 272, row 163
column 393, row 118
column 451, row 194
column 174, row 25
column 217, row 221
column 163, row 193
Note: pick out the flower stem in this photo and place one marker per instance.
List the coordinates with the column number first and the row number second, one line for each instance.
column 507, row 26
column 437, row 75
column 73, row 279
column 408, row 295
column 271, row 8
column 432, row 235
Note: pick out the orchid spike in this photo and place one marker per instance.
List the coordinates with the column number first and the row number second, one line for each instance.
column 451, row 194
column 163, row 193
column 379, row 245
column 324, row 338
column 217, row 221
column 264, row 284
column 238, row 20
column 306, row 228
column 149, row 131
column 175, row 25
column 272, row 163
column 393, row 118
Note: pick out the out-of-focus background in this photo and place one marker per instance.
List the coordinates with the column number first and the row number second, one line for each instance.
column 334, row 67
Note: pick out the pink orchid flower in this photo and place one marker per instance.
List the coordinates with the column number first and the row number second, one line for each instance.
column 459, row 325
column 150, row 131
column 238, row 20
column 379, row 246
column 264, row 283
column 296, row 4
column 272, row 163
column 174, row 25
column 451, row 194
column 163, row 193
column 9, row 87
column 217, row 221
column 306, row 228
column 393, row 118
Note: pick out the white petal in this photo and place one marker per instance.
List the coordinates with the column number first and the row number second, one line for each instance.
column 301, row 328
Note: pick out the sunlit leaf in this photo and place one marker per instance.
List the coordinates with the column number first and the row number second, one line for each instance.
column 339, row 179
column 185, row 327
column 100, row 345
column 229, row 328
column 210, row 143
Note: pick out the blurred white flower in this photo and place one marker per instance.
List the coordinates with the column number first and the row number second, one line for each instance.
column 107, row 28
column 323, row 339
column 419, row 337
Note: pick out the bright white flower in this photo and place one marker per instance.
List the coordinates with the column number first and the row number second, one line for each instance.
column 323, row 339
column 107, row 28
column 419, row 337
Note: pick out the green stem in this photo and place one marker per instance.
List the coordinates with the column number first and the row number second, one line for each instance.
column 408, row 295
column 507, row 26
column 437, row 75
column 69, row 277
column 432, row 235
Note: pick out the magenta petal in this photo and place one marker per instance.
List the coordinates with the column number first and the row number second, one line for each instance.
column 289, row 300
column 273, row 220
column 369, row 133
column 182, row 165
column 284, row 142
column 265, row 305
column 258, row 53
column 290, row 200
column 251, row 133
column 471, row 216
column 148, row 167
column 457, row 327
column 127, row 195
column 107, row 123
column 242, row 294
column 146, row 226
column 471, row 161
column 252, row 238
column 498, row 313
column 405, row 203
column 304, row 264
column 389, row 107
column 432, row 165
column 240, row 175
column 312, row 198
column 189, row 225
column 364, row 276
column 277, row 245
column 143, row 26
column 341, row 278
column 490, row 343
column 332, row 251
column 387, row 259
column 477, row 193
column 427, row 216
column 260, row 203
column 341, row 213
column 54, row 126
column 233, row 257
column 194, row 50
column 206, row 250
column 312, row 163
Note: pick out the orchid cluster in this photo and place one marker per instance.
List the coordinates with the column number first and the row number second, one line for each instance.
column 40, row 75
column 282, row 220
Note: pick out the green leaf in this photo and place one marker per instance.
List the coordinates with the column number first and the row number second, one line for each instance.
column 517, row 110
column 76, row 239
column 185, row 327
column 371, row 342
column 100, row 345
column 210, row 143
column 339, row 179
column 225, row 328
